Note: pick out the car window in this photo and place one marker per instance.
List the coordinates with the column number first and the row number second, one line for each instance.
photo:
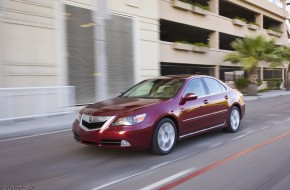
column 143, row 90
column 158, row 88
column 195, row 86
column 213, row 86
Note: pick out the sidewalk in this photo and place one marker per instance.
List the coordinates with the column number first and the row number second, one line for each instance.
column 269, row 94
column 62, row 122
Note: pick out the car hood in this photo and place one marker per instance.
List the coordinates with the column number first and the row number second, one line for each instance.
column 118, row 105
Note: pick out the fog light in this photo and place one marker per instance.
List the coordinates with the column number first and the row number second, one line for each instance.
column 125, row 143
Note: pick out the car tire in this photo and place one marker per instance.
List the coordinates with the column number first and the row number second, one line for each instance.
column 233, row 121
column 164, row 137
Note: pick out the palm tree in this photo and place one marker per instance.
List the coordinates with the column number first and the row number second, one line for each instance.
column 285, row 54
column 249, row 52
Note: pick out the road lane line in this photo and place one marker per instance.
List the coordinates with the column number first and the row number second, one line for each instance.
column 221, row 162
column 28, row 136
column 168, row 179
column 131, row 176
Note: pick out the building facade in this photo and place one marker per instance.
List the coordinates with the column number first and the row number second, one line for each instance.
column 52, row 45
column 217, row 27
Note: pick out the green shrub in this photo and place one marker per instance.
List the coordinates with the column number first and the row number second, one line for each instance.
column 263, row 90
column 201, row 44
column 274, row 84
column 275, row 29
column 259, row 82
column 186, row 1
column 242, row 19
column 242, row 83
column 196, row 43
column 253, row 23
column 205, row 7
column 183, row 42
column 271, row 84
column 278, row 83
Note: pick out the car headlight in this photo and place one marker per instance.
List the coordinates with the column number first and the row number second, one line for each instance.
column 79, row 116
column 130, row 120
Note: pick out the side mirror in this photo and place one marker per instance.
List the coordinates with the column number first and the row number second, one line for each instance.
column 188, row 97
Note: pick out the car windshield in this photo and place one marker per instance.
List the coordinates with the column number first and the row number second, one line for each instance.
column 155, row 88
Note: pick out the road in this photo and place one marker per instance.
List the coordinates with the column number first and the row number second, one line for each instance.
column 255, row 158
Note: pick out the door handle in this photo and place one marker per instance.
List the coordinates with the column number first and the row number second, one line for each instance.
column 205, row 101
column 226, row 97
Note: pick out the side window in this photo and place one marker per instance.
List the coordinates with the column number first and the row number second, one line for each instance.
column 213, row 86
column 195, row 86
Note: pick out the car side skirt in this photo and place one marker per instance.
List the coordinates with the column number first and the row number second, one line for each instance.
column 202, row 131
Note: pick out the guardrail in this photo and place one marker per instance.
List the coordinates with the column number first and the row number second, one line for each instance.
column 20, row 103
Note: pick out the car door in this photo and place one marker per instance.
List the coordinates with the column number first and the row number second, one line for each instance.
column 193, row 113
column 219, row 96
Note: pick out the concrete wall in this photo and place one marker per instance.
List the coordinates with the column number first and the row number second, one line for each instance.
column 27, row 34
column 35, row 101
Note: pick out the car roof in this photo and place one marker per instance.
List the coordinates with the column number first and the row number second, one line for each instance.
column 182, row 76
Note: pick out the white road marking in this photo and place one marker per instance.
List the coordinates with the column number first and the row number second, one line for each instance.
column 36, row 135
column 168, row 179
column 241, row 136
column 131, row 176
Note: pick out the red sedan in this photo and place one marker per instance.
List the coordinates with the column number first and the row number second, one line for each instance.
column 158, row 112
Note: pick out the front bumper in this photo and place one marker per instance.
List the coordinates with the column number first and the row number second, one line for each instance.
column 129, row 137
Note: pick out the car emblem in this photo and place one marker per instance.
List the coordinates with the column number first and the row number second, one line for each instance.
column 90, row 119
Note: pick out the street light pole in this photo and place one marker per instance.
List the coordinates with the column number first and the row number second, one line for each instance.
column 101, row 86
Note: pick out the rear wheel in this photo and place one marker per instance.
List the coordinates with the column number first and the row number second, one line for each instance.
column 164, row 137
column 233, row 120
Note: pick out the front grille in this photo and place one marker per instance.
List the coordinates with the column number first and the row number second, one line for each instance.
column 96, row 125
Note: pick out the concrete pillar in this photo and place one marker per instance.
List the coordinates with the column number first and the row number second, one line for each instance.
column 259, row 20
column 284, row 3
column 284, row 78
column 214, row 40
column 262, row 73
column 214, row 6
column 217, row 71
column 101, row 80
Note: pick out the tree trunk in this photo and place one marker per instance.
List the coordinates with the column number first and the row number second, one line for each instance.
column 252, row 89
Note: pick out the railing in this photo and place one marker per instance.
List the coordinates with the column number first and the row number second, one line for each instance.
column 19, row 103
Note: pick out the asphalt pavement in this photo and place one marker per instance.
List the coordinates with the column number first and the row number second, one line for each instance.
column 42, row 154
